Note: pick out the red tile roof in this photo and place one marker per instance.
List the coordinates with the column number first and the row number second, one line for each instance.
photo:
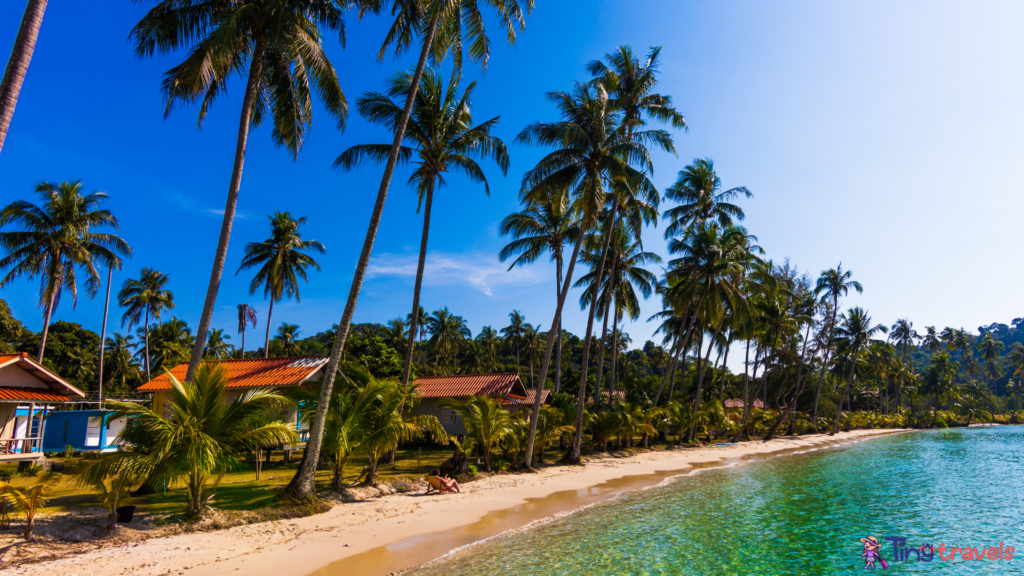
column 60, row 390
column 471, row 385
column 32, row 395
column 252, row 373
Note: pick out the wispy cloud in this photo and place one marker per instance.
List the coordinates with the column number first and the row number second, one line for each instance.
column 480, row 271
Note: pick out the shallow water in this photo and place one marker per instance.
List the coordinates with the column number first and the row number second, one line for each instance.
column 796, row 514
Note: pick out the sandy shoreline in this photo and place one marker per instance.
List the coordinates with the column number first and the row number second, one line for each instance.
column 404, row 530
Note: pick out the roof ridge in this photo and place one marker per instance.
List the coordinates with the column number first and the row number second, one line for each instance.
column 471, row 375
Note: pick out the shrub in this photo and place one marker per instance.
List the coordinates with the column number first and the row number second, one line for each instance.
column 69, row 451
column 941, row 423
column 472, row 470
column 500, row 464
column 5, row 475
column 32, row 471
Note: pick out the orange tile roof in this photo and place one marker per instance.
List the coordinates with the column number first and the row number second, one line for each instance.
column 470, row 385
column 32, row 395
column 252, row 372
column 60, row 390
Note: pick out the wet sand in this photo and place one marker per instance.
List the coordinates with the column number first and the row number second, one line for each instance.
column 403, row 531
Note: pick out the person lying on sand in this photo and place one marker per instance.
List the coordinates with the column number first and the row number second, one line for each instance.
column 438, row 484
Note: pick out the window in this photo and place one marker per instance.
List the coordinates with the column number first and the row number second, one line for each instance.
column 449, row 417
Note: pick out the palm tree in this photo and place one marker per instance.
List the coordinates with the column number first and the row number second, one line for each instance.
column 444, row 28
column 446, row 331
column 533, row 345
column 487, row 423
column 514, row 331
column 853, row 333
column 441, row 137
column 904, row 335
column 991, row 352
column 396, row 333
column 421, row 329
column 543, row 227
column 170, row 344
column 119, row 364
column 202, row 436
column 57, row 239
column 17, row 65
column 288, row 336
column 940, row 382
column 281, row 262
column 832, row 284
column 698, row 191
column 276, row 44
column 592, row 153
column 217, row 346
column 931, row 340
column 145, row 299
column 489, row 340
column 246, row 316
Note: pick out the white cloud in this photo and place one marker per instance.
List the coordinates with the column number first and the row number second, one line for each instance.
column 480, row 271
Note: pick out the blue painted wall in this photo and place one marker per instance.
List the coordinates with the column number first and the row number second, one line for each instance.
column 69, row 428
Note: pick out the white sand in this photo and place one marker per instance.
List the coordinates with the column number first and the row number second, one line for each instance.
column 303, row 546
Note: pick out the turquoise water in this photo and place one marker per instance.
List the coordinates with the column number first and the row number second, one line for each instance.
column 796, row 514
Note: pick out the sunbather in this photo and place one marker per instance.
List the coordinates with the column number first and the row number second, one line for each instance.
column 438, row 484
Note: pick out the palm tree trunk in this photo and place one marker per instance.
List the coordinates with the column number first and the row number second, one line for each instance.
column 746, row 390
column 615, row 343
column 600, row 364
column 302, row 485
column 146, row 339
column 797, row 390
column 573, row 457
column 242, row 355
column 824, row 365
column 846, row 391
column 558, row 332
column 220, row 258
column 48, row 312
column 549, row 346
column 103, row 335
column 270, row 313
column 700, row 375
column 17, row 66
column 725, row 361
column 407, row 362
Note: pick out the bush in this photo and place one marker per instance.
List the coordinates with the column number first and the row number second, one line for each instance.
column 941, row 423
column 69, row 451
column 32, row 471
column 499, row 465
column 5, row 475
column 472, row 470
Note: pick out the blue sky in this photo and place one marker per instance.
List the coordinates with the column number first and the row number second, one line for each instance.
column 883, row 135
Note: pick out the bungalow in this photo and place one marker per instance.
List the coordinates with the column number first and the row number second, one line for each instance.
column 28, row 393
column 245, row 375
column 736, row 403
column 505, row 388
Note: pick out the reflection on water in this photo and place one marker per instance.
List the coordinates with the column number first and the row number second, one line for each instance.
column 802, row 514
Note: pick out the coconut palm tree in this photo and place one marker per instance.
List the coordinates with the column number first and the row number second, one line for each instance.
column 288, row 337
column 904, row 335
column 17, row 65
column 281, row 262
column 421, row 329
column 217, row 346
column 276, row 45
column 854, row 332
column 831, row 285
column 591, row 154
column 533, row 346
column 246, row 316
column 440, row 138
column 931, row 340
column 514, row 331
column 443, row 28
column 56, row 239
column 170, row 343
column 487, row 423
column 203, row 435
column 940, row 382
column 489, row 340
column 119, row 365
column 698, row 192
column 541, row 228
column 446, row 331
column 991, row 352
column 396, row 333
column 145, row 299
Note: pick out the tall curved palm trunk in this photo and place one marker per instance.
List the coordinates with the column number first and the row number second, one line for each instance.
column 428, row 202
column 17, row 66
column 302, row 485
column 266, row 345
column 220, row 258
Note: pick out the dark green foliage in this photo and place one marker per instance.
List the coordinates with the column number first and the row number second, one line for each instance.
column 71, row 351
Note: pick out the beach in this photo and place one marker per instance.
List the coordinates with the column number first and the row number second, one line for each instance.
column 401, row 531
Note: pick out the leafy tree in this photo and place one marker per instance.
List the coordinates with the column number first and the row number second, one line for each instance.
column 281, row 262
column 71, row 352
